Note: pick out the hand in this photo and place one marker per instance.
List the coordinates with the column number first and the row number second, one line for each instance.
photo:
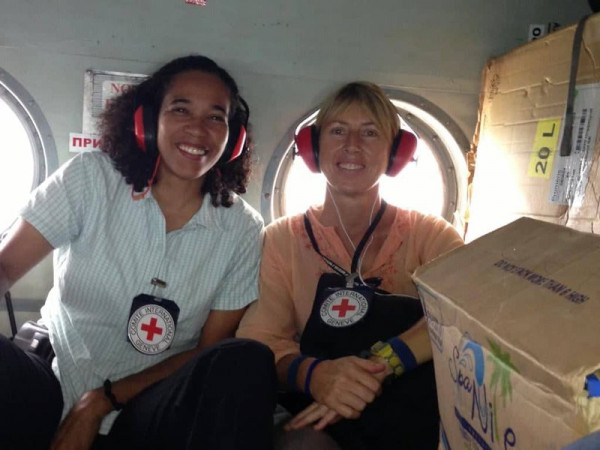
column 80, row 428
column 316, row 412
column 384, row 373
column 346, row 385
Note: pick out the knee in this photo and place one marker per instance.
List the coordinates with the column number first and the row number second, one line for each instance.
column 246, row 352
column 244, row 359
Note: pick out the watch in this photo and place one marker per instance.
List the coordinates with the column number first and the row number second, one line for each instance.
column 384, row 350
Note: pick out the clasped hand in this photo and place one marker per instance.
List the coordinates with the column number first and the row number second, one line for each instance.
column 342, row 388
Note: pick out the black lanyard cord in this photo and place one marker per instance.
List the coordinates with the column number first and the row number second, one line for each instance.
column 367, row 235
column 358, row 250
column 313, row 241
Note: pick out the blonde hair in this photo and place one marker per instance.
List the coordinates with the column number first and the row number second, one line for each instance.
column 367, row 95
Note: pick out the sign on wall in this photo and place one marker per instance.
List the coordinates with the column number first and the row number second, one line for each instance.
column 98, row 89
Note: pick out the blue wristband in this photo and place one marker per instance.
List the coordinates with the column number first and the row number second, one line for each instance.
column 293, row 372
column 404, row 353
column 309, row 375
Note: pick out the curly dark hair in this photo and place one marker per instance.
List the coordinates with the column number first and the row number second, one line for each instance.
column 136, row 166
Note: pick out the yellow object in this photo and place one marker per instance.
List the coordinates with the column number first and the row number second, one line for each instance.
column 544, row 147
column 385, row 351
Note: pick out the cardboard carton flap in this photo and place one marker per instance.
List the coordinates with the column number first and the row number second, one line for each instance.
column 523, row 128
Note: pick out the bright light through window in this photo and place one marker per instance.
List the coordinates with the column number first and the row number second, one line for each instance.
column 16, row 165
column 419, row 186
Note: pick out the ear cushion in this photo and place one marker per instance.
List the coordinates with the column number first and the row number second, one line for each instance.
column 401, row 153
column 235, row 143
column 144, row 129
column 307, row 147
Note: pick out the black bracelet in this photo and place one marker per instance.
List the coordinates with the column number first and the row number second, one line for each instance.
column 108, row 392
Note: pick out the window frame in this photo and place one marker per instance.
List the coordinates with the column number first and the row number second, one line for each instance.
column 45, row 157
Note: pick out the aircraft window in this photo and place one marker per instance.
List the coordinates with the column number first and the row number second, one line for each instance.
column 434, row 182
column 27, row 150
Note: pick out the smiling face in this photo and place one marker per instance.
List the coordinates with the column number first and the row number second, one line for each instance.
column 353, row 151
column 192, row 126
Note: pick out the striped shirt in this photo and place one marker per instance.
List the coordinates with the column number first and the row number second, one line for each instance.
column 109, row 248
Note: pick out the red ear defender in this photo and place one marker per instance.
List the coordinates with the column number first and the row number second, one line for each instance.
column 144, row 129
column 237, row 135
column 307, row 146
column 401, row 153
column 239, row 145
column 138, row 128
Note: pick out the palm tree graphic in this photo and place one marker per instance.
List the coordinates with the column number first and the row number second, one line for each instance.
column 503, row 367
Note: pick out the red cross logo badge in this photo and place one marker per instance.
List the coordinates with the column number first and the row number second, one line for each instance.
column 344, row 308
column 151, row 329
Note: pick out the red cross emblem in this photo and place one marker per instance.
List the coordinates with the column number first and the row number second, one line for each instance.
column 344, row 307
column 151, row 329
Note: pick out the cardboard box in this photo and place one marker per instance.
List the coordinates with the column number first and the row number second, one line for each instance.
column 513, row 320
column 519, row 170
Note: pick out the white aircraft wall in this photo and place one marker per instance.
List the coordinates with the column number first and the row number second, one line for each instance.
column 285, row 55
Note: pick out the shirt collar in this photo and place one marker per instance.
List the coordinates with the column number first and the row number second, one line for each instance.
column 208, row 216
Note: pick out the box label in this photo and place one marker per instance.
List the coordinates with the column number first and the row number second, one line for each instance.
column 478, row 393
column 545, row 144
column 570, row 173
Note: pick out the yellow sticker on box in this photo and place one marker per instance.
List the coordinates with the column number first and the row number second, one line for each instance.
column 544, row 147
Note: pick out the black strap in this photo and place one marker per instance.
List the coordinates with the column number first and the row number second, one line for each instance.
column 358, row 250
column 565, row 145
column 9, row 306
column 11, row 313
column 367, row 235
column 313, row 241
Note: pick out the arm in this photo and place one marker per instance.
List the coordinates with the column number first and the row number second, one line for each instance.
column 22, row 249
column 272, row 319
column 417, row 339
column 218, row 326
column 345, row 385
column 81, row 425
column 430, row 237
column 320, row 415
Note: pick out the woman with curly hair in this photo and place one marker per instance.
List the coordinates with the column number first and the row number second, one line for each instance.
column 156, row 259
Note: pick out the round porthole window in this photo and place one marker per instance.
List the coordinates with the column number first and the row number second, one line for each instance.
column 28, row 153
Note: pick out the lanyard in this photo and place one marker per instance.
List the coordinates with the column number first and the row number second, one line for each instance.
column 349, row 276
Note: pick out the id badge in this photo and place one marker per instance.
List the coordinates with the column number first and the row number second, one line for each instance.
column 152, row 323
column 344, row 307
